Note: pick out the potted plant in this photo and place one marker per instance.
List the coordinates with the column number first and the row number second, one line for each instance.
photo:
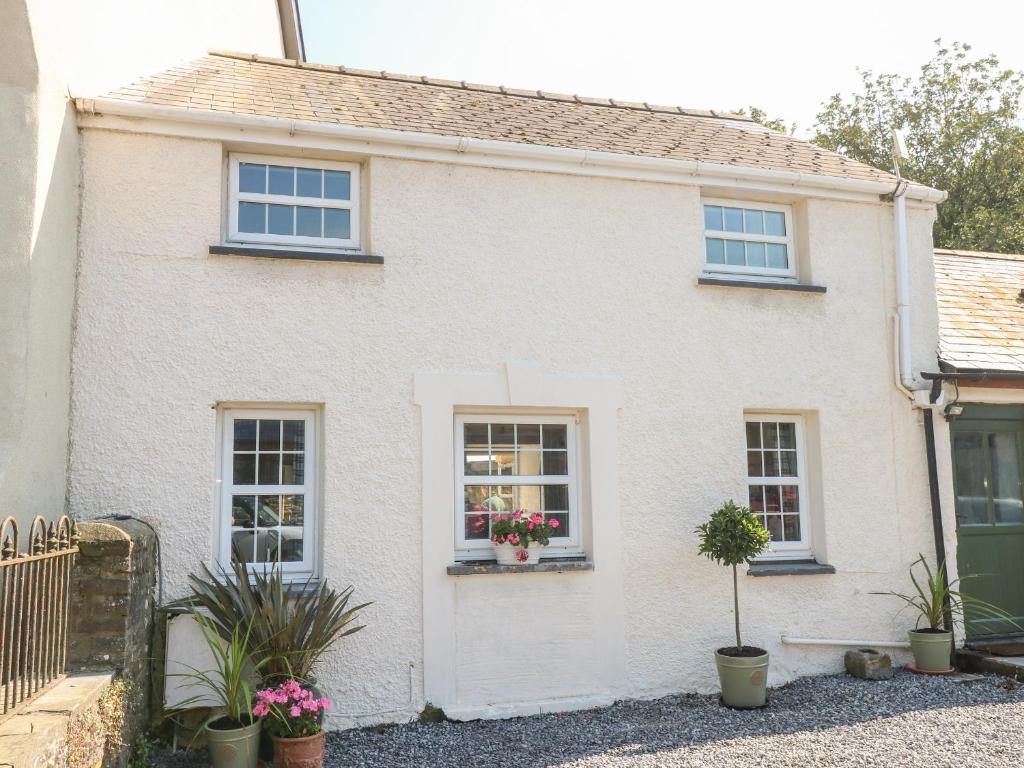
column 730, row 537
column 939, row 605
column 233, row 729
column 293, row 623
column 293, row 720
column 519, row 536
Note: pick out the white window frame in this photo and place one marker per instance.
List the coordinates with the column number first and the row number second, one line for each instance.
column 333, row 243
column 482, row 549
column 309, row 489
column 786, row 550
column 734, row 270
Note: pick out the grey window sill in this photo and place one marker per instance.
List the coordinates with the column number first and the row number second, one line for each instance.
column 553, row 565
column 769, row 285
column 791, row 568
column 293, row 254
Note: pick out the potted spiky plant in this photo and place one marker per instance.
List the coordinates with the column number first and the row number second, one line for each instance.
column 937, row 602
column 733, row 536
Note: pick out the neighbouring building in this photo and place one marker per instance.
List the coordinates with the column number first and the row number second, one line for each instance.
column 331, row 317
column 981, row 379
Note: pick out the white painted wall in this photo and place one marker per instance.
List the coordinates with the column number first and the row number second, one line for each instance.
column 585, row 277
column 48, row 49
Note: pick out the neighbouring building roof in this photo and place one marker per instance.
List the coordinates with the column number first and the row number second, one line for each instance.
column 246, row 84
column 981, row 310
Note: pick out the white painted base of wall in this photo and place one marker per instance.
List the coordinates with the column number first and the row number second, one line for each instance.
column 526, row 708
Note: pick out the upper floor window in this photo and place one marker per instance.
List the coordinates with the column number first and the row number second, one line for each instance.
column 748, row 239
column 268, row 489
column 280, row 201
column 776, row 475
column 505, row 463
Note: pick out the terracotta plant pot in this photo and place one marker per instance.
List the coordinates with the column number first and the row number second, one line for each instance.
column 303, row 752
column 744, row 678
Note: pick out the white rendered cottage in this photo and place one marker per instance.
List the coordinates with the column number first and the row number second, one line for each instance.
column 329, row 315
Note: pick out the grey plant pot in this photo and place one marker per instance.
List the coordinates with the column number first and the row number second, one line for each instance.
column 744, row 679
column 234, row 748
column 931, row 649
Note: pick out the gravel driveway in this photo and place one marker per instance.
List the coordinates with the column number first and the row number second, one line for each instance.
column 822, row 721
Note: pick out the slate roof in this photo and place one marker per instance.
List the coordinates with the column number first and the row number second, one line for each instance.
column 981, row 310
column 246, row 84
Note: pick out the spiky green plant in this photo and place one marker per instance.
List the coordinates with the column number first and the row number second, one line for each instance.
column 732, row 535
column 939, row 598
column 292, row 623
column 234, row 674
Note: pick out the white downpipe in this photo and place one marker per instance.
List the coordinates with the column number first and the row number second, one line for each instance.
column 906, row 376
column 787, row 640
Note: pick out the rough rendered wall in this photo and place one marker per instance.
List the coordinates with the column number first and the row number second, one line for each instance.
column 581, row 276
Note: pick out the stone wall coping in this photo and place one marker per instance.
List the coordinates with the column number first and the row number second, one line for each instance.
column 31, row 731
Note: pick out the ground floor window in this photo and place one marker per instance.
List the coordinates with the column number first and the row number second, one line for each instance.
column 776, row 474
column 268, row 480
column 504, row 463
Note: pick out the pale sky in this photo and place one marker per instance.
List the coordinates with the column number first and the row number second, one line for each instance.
column 784, row 56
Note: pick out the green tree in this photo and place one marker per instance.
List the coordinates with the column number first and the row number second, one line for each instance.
column 760, row 116
column 960, row 116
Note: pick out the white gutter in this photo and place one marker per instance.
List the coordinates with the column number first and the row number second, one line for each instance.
column 489, row 147
column 787, row 640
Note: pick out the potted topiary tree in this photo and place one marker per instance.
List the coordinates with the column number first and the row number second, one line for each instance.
column 730, row 537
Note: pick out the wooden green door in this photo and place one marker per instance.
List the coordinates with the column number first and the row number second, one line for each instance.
column 988, row 469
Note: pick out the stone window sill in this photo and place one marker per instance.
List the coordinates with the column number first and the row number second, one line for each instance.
column 552, row 565
column 769, row 285
column 790, row 568
column 294, row 254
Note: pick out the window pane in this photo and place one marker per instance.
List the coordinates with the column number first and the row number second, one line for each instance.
column 338, row 185
column 770, row 429
column 775, row 223
column 776, row 256
column 309, row 182
column 754, row 466
column 486, row 498
column 478, row 526
column 556, row 498
column 787, row 434
column 293, row 469
column 243, row 511
column 756, row 499
column 245, row 435
column 244, row 470
column 282, row 180
column 528, row 498
column 252, row 177
column 337, row 223
column 503, row 437
column 787, row 464
column 755, row 255
column 713, row 217
column 529, row 463
column 281, row 220
column 735, row 253
column 714, row 250
column 528, row 435
column 791, row 499
column 252, row 217
column 971, row 496
column 774, row 525
column 475, row 436
column 772, row 499
column 294, row 435
column 270, row 435
column 554, row 436
column 503, row 462
column 563, row 524
column 753, row 222
column 733, row 219
column 269, row 466
column 753, row 434
column 1002, row 447
column 791, row 527
column 556, row 463
column 308, row 221
column 771, row 464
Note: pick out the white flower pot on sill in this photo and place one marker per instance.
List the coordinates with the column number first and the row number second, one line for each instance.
column 505, row 554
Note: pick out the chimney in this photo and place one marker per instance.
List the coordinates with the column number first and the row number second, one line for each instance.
column 291, row 29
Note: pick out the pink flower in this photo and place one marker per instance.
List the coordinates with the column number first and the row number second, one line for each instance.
column 536, row 517
column 309, row 705
column 501, row 539
column 522, row 555
column 529, row 526
column 295, row 711
column 553, row 523
column 517, row 514
column 513, row 539
column 324, row 703
column 261, row 709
